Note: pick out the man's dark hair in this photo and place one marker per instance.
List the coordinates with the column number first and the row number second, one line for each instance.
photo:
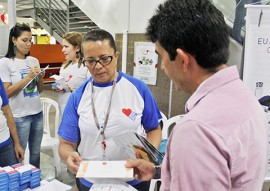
column 195, row 26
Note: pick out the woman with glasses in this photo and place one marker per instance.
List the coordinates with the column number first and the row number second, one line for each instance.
column 73, row 71
column 23, row 83
column 108, row 104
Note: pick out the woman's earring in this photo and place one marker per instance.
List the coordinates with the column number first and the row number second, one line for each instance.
column 14, row 49
column 77, row 54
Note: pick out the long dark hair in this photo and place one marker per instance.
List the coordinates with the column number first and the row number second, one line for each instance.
column 16, row 32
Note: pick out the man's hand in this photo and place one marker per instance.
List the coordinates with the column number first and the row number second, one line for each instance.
column 143, row 170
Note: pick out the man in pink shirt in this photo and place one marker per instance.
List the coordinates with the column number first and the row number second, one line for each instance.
column 221, row 143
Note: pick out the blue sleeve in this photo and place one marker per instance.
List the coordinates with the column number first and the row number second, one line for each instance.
column 69, row 127
column 151, row 112
column 3, row 94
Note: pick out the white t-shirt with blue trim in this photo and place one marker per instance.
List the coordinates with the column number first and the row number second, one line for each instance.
column 132, row 107
column 74, row 77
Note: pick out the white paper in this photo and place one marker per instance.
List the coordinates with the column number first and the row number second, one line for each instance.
column 36, row 76
column 60, row 82
column 112, row 186
column 54, row 185
column 56, row 77
column 105, row 169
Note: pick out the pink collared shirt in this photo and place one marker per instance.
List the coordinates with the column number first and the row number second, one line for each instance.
column 221, row 144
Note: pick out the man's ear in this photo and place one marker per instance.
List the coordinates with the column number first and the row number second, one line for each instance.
column 182, row 56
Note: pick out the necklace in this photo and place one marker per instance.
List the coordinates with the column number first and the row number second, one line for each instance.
column 101, row 129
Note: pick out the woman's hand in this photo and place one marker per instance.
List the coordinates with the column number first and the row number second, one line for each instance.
column 71, row 88
column 33, row 72
column 41, row 75
column 73, row 161
column 19, row 152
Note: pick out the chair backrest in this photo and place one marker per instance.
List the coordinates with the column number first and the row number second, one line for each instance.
column 167, row 126
column 163, row 120
column 47, row 105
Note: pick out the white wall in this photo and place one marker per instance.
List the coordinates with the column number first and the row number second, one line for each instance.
column 117, row 16
column 3, row 30
column 4, row 40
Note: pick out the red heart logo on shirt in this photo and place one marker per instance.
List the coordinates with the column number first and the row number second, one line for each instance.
column 127, row 112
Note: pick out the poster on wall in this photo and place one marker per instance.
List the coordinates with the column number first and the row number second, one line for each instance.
column 256, row 70
column 145, row 62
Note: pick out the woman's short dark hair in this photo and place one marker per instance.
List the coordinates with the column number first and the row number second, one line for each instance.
column 15, row 32
column 100, row 35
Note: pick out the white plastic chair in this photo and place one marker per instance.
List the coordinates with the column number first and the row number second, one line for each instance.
column 167, row 126
column 164, row 119
column 153, row 184
column 49, row 141
column 165, row 134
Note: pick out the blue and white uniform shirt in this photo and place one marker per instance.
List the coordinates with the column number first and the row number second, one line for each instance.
column 132, row 107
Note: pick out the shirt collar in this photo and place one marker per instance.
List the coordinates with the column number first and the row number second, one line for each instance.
column 218, row 79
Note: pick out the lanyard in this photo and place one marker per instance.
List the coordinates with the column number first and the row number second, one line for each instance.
column 102, row 129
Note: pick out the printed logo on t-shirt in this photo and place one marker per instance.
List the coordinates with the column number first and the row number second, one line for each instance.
column 68, row 77
column 31, row 90
column 131, row 114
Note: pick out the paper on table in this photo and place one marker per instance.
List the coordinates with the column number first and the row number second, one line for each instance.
column 104, row 169
column 42, row 184
column 54, row 185
column 60, row 82
column 112, row 186
column 36, row 76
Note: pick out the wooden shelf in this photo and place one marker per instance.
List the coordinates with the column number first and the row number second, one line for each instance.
column 48, row 80
column 48, row 54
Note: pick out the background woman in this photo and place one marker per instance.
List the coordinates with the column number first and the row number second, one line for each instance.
column 109, row 103
column 17, row 69
column 10, row 149
column 73, row 71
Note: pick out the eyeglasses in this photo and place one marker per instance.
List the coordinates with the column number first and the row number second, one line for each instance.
column 91, row 62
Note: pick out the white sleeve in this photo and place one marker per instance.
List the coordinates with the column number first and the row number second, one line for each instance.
column 5, row 70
